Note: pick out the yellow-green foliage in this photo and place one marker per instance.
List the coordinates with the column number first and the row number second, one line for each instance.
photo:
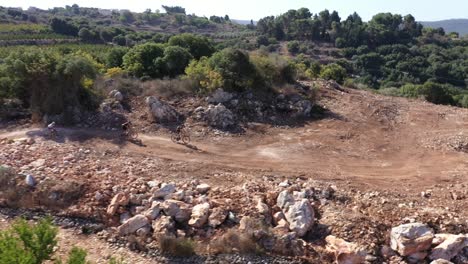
column 201, row 72
column 112, row 72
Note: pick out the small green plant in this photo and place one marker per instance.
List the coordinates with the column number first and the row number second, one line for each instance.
column 28, row 244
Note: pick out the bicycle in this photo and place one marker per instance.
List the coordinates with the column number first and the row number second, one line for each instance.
column 181, row 136
column 130, row 133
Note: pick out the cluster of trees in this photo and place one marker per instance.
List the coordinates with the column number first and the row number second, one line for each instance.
column 47, row 81
column 153, row 60
column 301, row 24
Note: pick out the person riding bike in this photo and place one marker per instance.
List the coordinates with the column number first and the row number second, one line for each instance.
column 126, row 127
column 180, row 128
column 52, row 130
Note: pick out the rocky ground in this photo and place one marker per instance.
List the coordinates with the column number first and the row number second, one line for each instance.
column 373, row 180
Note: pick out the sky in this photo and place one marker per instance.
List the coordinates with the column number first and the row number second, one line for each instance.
column 423, row 10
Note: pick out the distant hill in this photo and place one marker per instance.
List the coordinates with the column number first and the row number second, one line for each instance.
column 451, row 25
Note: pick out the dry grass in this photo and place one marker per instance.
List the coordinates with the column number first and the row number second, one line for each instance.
column 169, row 88
column 179, row 247
column 234, row 242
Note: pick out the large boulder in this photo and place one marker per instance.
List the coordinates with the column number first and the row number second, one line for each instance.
column 219, row 117
column 217, row 217
column 448, row 249
column 220, row 97
column 345, row 252
column 303, row 108
column 178, row 210
column 161, row 111
column 164, row 226
column 200, row 213
column 132, row 225
column 284, row 200
column 300, row 217
column 411, row 238
column 120, row 199
column 116, row 95
column 165, row 190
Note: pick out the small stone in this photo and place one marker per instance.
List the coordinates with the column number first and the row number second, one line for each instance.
column 284, row 184
column 203, row 188
column 30, row 181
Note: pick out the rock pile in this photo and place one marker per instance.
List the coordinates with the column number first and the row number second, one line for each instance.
column 161, row 111
column 416, row 241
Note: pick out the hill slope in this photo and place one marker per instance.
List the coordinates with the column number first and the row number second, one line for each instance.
column 451, row 25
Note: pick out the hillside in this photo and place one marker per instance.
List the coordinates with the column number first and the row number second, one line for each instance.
column 450, row 25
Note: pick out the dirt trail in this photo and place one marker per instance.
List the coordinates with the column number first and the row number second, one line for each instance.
column 366, row 138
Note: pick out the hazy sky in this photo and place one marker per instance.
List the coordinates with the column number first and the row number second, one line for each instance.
column 255, row 9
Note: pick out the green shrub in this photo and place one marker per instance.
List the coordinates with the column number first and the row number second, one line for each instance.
column 274, row 69
column 204, row 76
column 410, row 90
column 176, row 60
column 198, row 46
column 235, row 68
column 464, row 101
column 28, row 244
column 333, row 72
column 141, row 60
column 75, row 256
column 293, row 47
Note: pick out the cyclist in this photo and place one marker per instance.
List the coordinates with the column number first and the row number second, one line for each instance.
column 180, row 128
column 52, row 131
column 126, row 127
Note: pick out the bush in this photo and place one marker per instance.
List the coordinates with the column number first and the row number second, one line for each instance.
column 333, row 72
column 237, row 72
column 75, row 256
column 140, row 60
column 114, row 57
column 410, row 90
column 48, row 82
column 198, row 46
column 29, row 244
column 273, row 70
column 205, row 77
column 293, row 47
column 390, row 91
column 180, row 247
column 176, row 60
column 464, row 101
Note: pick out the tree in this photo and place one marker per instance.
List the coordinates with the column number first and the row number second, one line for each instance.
column 87, row 35
column 126, row 16
column 62, row 26
column 174, row 9
column 198, row 46
column 114, row 57
column 234, row 66
column 293, row 47
column 140, row 60
column 333, row 72
column 176, row 59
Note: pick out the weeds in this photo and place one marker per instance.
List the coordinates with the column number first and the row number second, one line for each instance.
column 179, row 247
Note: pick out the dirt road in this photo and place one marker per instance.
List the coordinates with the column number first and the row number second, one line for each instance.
column 365, row 138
